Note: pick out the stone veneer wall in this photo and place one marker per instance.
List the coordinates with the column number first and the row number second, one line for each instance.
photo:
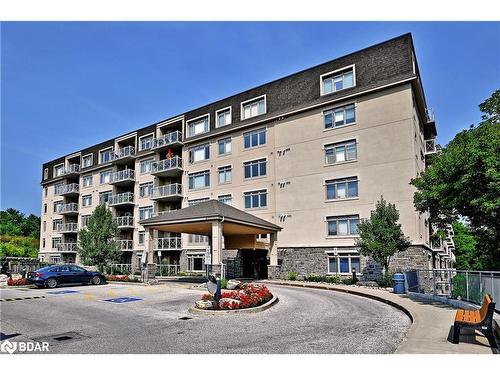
column 314, row 260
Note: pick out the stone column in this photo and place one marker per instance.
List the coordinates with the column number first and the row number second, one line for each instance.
column 216, row 246
column 149, row 241
column 272, row 268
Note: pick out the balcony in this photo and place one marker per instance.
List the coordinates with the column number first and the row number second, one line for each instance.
column 67, row 209
column 167, row 192
column 69, row 247
column 170, row 139
column 126, row 245
column 68, row 190
column 125, row 221
column 123, row 155
column 159, row 213
column 121, row 199
column 430, row 114
column 120, row 178
column 430, row 146
column 67, row 228
column 71, row 170
column 167, row 168
column 169, row 243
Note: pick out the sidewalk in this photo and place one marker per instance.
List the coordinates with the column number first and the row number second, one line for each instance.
column 432, row 322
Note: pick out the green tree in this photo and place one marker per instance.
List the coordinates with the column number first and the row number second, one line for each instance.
column 463, row 180
column 465, row 248
column 19, row 235
column 97, row 242
column 380, row 236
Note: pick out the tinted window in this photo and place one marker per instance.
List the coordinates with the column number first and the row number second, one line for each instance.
column 76, row 269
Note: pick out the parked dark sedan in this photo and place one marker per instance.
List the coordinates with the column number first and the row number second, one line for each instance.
column 52, row 276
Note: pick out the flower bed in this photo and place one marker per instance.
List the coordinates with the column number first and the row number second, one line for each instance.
column 249, row 295
column 117, row 278
column 18, row 282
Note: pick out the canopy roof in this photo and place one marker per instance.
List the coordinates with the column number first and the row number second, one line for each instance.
column 198, row 219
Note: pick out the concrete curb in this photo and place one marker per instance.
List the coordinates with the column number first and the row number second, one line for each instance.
column 250, row 310
column 347, row 291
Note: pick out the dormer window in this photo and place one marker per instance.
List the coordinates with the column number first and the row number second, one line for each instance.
column 253, row 107
column 197, row 126
column 223, row 117
column 337, row 80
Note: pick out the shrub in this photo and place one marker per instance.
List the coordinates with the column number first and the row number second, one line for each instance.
column 386, row 280
column 17, row 282
column 348, row 281
column 324, row 279
column 292, row 275
column 117, row 278
column 223, row 283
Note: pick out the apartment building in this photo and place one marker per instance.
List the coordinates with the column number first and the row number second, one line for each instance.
column 311, row 152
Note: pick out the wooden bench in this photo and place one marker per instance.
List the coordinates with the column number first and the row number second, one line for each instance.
column 481, row 320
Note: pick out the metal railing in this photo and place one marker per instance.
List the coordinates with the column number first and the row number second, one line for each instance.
column 67, row 227
column 159, row 213
column 168, row 243
column 430, row 146
column 167, row 190
column 125, row 221
column 167, row 139
column 125, row 244
column 123, row 153
column 121, row 198
column 126, row 174
column 66, row 189
column 465, row 285
column 167, row 269
column 72, row 168
column 66, row 208
column 118, row 269
column 430, row 114
column 65, row 247
column 166, row 164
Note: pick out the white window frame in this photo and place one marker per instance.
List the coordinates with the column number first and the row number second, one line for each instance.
column 146, row 136
column 258, row 160
column 257, row 98
column 204, row 171
column 91, row 160
column 340, row 217
column 337, row 180
column 83, row 200
column 55, row 169
column 86, row 177
column 149, row 208
column 102, row 151
column 196, row 119
column 142, row 234
column 110, row 171
column 225, row 195
column 225, row 139
column 150, row 160
column 194, row 202
column 336, row 144
column 46, row 173
column 190, row 263
column 336, row 108
column 85, row 220
column 217, row 124
column 230, row 166
column 332, row 73
column 258, row 138
column 192, row 150
column 254, row 191
column 338, row 255
column 149, row 187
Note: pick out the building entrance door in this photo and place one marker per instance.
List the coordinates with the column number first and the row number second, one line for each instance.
column 255, row 264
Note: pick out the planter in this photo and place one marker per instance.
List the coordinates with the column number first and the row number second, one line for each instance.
column 250, row 310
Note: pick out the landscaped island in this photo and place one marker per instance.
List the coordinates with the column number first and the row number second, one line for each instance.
column 243, row 297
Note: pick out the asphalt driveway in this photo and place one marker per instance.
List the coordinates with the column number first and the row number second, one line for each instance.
column 156, row 320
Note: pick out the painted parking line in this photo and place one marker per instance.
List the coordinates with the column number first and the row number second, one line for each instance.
column 64, row 292
column 20, row 298
column 123, row 299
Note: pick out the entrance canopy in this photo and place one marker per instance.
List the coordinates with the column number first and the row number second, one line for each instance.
column 198, row 219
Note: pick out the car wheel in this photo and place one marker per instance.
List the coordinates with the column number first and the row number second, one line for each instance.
column 51, row 283
column 96, row 280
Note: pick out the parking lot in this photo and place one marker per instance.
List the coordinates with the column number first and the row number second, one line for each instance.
column 134, row 318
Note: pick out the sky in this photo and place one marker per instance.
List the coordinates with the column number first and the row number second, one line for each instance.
column 66, row 86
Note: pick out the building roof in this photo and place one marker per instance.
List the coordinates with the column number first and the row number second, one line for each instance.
column 208, row 211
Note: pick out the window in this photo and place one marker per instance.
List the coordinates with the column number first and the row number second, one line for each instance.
column 105, row 176
column 146, row 190
column 87, row 200
column 198, row 126
column 254, row 138
column 46, row 173
column 341, row 116
column 45, row 208
column 142, row 236
column 59, row 170
column 195, row 262
column 344, row 263
column 87, row 180
column 255, row 199
column 197, row 239
column 194, row 202
column 56, row 242
column 199, row 180
column 58, row 188
column 45, row 191
column 343, row 225
column 146, row 142
column 342, row 188
column 43, row 243
column 340, row 152
column 58, row 205
column 227, row 199
column 85, row 220
column 87, row 161
column 56, row 224
column 255, row 168
column 225, row 174
column 44, row 225
column 253, row 107
column 336, row 81
column 145, row 212
column 224, row 146
column 223, row 117
column 146, row 165
column 105, row 155
column 105, row 196
column 199, row 153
